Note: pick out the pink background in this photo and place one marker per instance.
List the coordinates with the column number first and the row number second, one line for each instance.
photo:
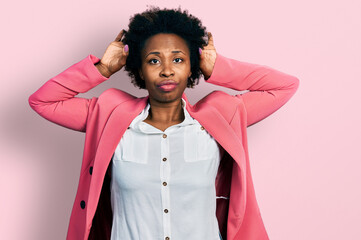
column 305, row 158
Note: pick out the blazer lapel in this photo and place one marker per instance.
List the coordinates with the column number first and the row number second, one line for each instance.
column 218, row 127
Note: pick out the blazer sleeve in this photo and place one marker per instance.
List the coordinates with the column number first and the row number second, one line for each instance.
column 268, row 89
column 56, row 100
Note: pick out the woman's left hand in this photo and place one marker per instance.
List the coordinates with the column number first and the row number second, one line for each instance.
column 208, row 57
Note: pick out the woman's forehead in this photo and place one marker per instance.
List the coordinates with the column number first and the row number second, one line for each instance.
column 165, row 42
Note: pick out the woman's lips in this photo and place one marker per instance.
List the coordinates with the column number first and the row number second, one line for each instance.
column 167, row 86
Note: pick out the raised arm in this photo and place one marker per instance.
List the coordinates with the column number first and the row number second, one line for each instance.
column 268, row 88
column 56, row 101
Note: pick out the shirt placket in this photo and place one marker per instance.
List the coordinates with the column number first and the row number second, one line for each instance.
column 164, row 178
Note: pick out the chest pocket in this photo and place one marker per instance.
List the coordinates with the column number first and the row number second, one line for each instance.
column 133, row 147
column 199, row 145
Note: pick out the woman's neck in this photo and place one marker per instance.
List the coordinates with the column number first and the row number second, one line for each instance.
column 166, row 113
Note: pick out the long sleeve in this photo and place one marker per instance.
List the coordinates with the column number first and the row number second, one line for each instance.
column 56, row 101
column 269, row 89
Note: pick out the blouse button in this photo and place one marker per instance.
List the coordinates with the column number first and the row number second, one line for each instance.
column 164, row 135
column 82, row 204
column 202, row 127
column 164, row 183
column 167, row 238
column 164, row 159
column 166, row 210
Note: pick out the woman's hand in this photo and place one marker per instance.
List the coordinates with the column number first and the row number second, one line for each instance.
column 208, row 57
column 114, row 57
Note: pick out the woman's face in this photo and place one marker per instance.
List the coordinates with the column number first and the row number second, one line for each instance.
column 165, row 67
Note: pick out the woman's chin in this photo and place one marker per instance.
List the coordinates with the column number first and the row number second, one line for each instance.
column 167, row 97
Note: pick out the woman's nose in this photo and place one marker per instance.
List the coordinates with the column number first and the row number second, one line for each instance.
column 167, row 70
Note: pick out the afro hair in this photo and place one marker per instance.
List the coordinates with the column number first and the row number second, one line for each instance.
column 155, row 20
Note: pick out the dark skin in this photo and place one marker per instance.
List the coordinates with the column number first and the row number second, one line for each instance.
column 165, row 57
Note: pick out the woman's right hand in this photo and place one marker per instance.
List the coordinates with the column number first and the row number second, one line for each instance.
column 114, row 58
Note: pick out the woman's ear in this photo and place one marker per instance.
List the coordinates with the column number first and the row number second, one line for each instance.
column 190, row 74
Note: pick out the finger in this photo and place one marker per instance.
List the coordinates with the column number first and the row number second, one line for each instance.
column 120, row 35
column 210, row 39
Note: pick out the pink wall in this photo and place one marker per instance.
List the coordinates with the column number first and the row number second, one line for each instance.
column 305, row 158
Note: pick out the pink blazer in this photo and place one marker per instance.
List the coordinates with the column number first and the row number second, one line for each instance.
column 105, row 119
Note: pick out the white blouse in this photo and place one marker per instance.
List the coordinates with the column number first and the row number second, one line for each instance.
column 163, row 183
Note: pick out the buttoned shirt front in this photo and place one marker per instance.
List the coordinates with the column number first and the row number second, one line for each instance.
column 163, row 182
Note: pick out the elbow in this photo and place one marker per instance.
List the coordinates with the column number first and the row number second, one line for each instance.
column 294, row 83
column 292, row 88
column 33, row 102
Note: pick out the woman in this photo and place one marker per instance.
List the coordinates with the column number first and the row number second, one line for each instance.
column 158, row 167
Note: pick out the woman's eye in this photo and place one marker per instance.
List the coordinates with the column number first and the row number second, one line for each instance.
column 153, row 61
column 178, row 60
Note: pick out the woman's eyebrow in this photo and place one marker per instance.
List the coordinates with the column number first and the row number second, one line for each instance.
column 159, row 53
